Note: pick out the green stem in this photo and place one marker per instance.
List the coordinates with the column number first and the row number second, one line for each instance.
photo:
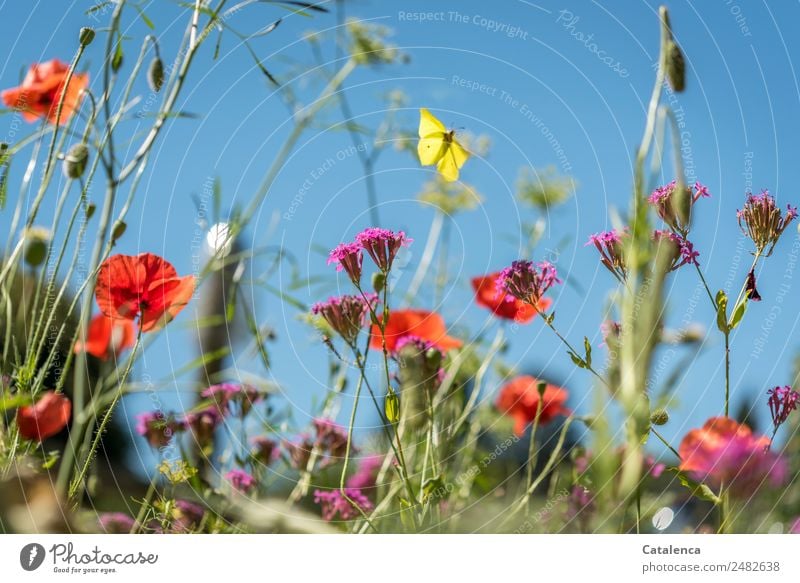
column 78, row 481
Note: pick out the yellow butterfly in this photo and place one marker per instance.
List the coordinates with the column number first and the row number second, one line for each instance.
column 438, row 146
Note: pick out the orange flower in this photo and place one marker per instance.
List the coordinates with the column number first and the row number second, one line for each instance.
column 726, row 452
column 519, row 399
column 107, row 337
column 502, row 304
column 420, row 324
column 144, row 285
column 41, row 89
column 45, row 418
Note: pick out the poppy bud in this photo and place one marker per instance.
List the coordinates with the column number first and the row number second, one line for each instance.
column 676, row 67
column 90, row 208
column 155, row 75
column 75, row 161
column 118, row 230
column 392, row 408
column 86, row 36
column 659, row 417
column 36, row 243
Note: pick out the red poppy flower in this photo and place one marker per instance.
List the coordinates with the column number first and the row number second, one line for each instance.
column 41, row 89
column 144, row 286
column 45, row 418
column 420, row 324
column 519, row 399
column 502, row 304
column 107, row 337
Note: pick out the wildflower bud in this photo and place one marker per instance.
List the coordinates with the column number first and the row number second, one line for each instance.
column 676, row 67
column 118, row 230
column 378, row 281
column 155, row 74
column 35, row 246
column 659, row 417
column 391, row 407
column 90, row 208
column 75, row 161
column 86, row 36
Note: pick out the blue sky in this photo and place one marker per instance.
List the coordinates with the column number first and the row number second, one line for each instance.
column 491, row 69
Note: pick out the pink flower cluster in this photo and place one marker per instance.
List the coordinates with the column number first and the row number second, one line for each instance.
column 381, row 245
column 527, row 282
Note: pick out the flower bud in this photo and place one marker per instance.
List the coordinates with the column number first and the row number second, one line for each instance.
column 118, row 230
column 35, row 246
column 676, row 67
column 392, row 407
column 90, row 208
column 659, row 417
column 75, row 161
column 155, row 75
column 86, row 36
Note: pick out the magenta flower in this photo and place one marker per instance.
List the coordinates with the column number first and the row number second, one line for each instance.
column 795, row 528
column 331, row 439
column 664, row 200
column 265, row 449
column 229, row 395
column 346, row 314
column 203, row 423
column 333, row 503
column 115, row 523
column 241, row 480
column 299, row 451
column 527, row 282
column 157, row 429
column 382, row 245
column 348, row 257
column 364, row 478
column 782, row 401
column 761, row 220
column 187, row 515
column 682, row 250
column 609, row 245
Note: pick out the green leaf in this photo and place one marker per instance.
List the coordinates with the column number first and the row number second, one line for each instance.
column 5, row 165
column 588, row 348
column 577, row 360
column 722, row 311
column 698, row 489
column 144, row 18
column 431, row 487
column 738, row 313
column 116, row 60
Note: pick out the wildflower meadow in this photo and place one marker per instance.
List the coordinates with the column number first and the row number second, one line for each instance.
column 364, row 267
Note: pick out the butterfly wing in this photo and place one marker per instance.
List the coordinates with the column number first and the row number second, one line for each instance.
column 428, row 124
column 451, row 162
column 431, row 145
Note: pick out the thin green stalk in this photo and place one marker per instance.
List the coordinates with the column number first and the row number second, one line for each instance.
column 79, row 479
